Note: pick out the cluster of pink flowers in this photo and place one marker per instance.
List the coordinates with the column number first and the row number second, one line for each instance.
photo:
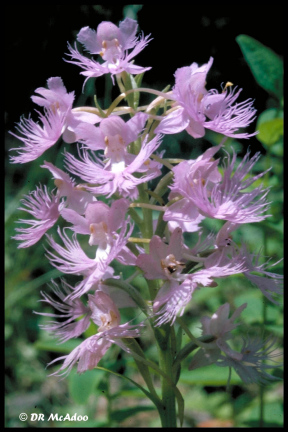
column 116, row 159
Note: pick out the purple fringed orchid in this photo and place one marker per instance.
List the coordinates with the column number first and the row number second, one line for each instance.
column 270, row 284
column 219, row 326
column 75, row 314
column 250, row 365
column 167, row 262
column 172, row 298
column 116, row 172
column 76, row 198
column 36, row 138
column 71, row 258
column 57, row 99
column 88, row 354
column 187, row 174
column 101, row 223
column 197, row 109
column 112, row 44
column 220, row 197
column 58, row 119
column 45, row 207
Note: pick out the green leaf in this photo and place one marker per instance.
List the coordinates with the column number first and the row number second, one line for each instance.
column 270, row 126
column 101, row 112
column 270, row 132
column 82, row 386
column 138, row 79
column 265, row 64
column 136, row 94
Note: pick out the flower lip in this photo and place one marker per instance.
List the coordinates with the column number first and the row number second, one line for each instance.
column 170, row 265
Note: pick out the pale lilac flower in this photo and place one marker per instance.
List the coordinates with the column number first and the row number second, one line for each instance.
column 71, row 259
column 76, row 198
column 58, row 119
column 187, row 174
column 168, row 262
column 113, row 135
column 75, row 314
column 224, row 238
column 104, row 312
column 45, row 207
column 270, row 284
column 112, row 44
column 57, row 99
column 219, row 326
column 172, row 298
column 163, row 261
column 250, row 365
column 224, row 199
column 36, row 138
column 113, row 177
column 101, row 223
column 90, row 352
column 197, row 109
column 106, row 315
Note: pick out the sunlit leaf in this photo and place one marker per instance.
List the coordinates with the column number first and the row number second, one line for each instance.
column 265, row 64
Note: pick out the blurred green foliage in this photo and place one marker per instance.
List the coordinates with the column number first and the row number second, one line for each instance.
column 107, row 400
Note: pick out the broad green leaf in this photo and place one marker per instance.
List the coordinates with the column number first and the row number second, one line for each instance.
column 270, row 126
column 269, row 114
column 138, row 79
column 82, row 386
column 265, row 64
column 271, row 131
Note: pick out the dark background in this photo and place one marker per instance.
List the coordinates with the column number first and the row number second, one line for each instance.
column 36, row 39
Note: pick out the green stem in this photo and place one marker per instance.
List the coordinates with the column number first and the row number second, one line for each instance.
column 135, row 216
column 168, row 394
column 161, row 225
column 162, row 186
column 162, row 161
column 148, row 206
column 147, row 226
